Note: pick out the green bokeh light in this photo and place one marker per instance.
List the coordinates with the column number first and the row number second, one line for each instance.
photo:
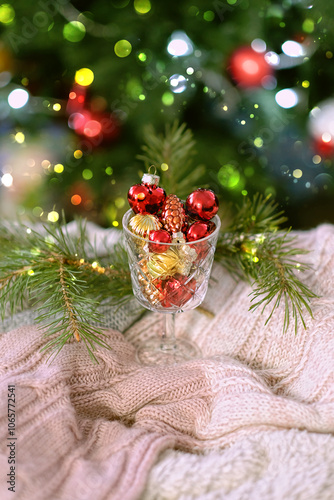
column 87, row 174
column 308, row 26
column 74, row 31
column 167, row 99
column 229, row 176
column 142, row 56
column 142, row 6
column 122, row 48
column 209, row 15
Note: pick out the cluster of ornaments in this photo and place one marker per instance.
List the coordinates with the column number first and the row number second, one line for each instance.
column 160, row 220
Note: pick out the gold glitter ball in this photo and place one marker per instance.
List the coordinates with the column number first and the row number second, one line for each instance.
column 142, row 224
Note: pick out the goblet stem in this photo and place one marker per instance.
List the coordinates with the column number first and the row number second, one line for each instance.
column 168, row 340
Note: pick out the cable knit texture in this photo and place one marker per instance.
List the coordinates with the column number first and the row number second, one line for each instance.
column 253, row 419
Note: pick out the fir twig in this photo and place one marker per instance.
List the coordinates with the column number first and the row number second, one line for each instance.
column 174, row 150
column 53, row 272
column 255, row 248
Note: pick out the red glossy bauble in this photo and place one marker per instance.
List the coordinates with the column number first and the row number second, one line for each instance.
column 157, row 238
column 199, row 230
column 178, row 291
column 249, row 68
column 144, row 200
column 202, row 204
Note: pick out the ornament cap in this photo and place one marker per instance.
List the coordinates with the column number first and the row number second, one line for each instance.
column 150, row 178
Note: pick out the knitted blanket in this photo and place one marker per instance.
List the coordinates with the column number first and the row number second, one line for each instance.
column 253, row 419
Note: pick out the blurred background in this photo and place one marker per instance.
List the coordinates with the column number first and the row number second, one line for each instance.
column 80, row 81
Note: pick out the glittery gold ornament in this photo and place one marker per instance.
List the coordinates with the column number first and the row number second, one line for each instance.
column 187, row 255
column 162, row 265
column 152, row 289
column 142, row 224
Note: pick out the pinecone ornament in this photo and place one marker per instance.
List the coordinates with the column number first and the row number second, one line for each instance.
column 173, row 214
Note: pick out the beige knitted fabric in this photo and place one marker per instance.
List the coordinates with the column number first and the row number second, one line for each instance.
column 253, row 419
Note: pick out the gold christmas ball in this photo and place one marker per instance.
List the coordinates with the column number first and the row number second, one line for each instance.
column 161, row 265
column 142, row 224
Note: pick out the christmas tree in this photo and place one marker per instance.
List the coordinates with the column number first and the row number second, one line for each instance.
column 84, row 84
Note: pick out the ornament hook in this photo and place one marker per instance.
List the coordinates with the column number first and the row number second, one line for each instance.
column 153, row 171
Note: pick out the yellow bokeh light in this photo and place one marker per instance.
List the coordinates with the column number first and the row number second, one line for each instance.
column 142, row 6
column 53, row 216
column 115, row 223
column 84, row 77
column 78, row 154
column 305, row 84
column 7, row 13
column 258, row 142
column 297, row 173
column 56, row 106
column 19, row 137
column 316, row 159
column 59, row 168
column 31, row 272
column 164, row 167
column 122, row 48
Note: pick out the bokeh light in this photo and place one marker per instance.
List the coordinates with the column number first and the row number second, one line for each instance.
column 286, row 98
column 92, row 128
column 259, row 45
column 167, row 98
column 293, row 49
column 180, row 44
column 18, row 98
column 59, row 168
column 19, row 137
column 7, row 13
column 78, row 154
column 53, row 216
column 229, row 176
column 122, row 48
column 142, row 6
column 74, row 31
column 178, row 83
column 87, row 174
column 76, row 199
column 84, row 77
column 7, row 180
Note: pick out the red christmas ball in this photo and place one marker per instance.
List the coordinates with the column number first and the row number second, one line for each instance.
column 144, row 200
column 158, row 237
column 199, row 230
column 249, row 68
column 202, row 204
column 157, row 198
column 178, row 291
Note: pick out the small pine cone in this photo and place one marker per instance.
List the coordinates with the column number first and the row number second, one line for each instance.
column 173, row 214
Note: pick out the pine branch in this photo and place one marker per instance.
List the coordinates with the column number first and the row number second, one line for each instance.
column 49, row 272
column 255, row 248
column 174, row 150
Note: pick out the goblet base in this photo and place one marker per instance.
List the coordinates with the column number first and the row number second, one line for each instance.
column 161, row 352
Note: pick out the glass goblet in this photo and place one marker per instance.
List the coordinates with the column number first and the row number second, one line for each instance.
column 169, row 278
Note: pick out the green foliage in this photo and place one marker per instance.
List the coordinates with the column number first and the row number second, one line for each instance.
column 254, row 248
column 174, row 150
column 56, row 273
